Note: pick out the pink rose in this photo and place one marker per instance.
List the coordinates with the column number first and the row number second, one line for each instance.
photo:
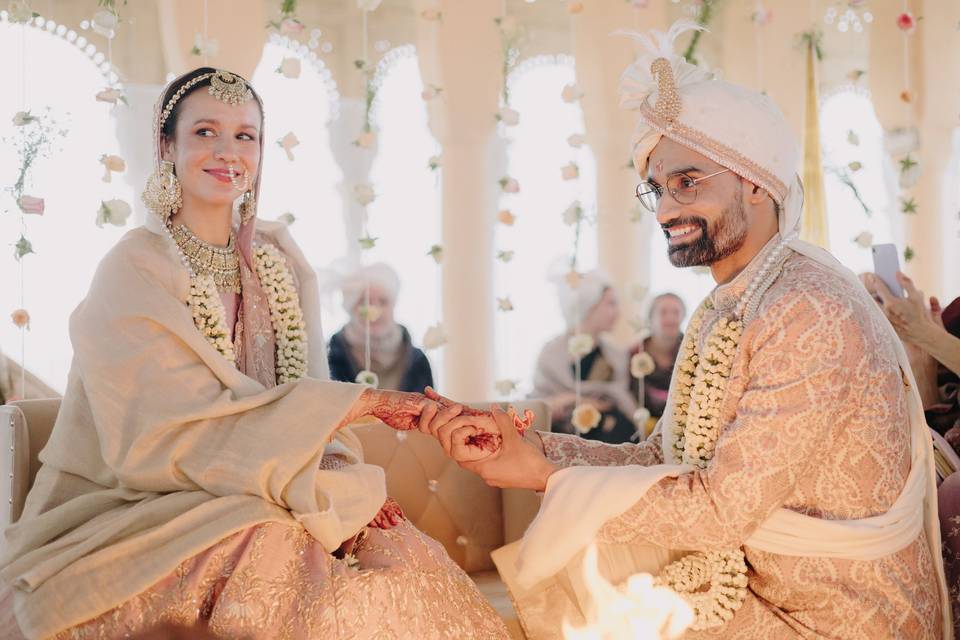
column 31, row 204
column 906, row 22
column 291, row 27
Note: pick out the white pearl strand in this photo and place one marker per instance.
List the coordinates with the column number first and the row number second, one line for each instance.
column 750, row 300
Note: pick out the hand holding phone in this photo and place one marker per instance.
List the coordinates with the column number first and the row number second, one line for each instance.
column 886, row 264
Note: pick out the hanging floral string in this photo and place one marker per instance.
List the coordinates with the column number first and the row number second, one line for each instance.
column 909, row 164
column 511, row 39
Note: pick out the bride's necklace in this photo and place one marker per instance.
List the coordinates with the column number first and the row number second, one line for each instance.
column 221, row 263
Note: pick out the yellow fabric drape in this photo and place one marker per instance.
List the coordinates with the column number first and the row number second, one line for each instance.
column 813, row 227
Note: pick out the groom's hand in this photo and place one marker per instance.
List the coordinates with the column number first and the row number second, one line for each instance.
column 518, row 462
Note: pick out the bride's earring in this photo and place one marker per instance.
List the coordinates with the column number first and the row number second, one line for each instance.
column 163, row 195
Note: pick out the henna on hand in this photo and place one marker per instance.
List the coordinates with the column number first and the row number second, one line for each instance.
column 389, row 516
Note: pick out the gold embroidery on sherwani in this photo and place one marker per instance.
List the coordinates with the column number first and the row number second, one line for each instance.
column 815, row 420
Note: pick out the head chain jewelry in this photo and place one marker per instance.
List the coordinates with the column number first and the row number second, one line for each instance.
column 224, row 86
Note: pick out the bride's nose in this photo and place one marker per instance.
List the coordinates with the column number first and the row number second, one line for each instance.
column 225, row 153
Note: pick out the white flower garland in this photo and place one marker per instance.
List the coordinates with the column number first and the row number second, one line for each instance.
column 209, row 315
column 286, row 316
column 701, row 381
column 285, row 313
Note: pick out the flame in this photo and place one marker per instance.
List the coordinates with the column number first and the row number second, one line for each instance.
column 636, row 610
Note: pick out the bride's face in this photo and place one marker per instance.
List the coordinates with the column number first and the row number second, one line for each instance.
column 209, row 138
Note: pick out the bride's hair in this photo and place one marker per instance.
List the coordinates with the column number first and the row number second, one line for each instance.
column 170, row 125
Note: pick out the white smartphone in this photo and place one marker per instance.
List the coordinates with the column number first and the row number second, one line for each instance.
column 886, row 263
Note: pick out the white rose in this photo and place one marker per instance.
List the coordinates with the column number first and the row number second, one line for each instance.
column 434, row 337
column 571, row 92
column 290, row 67
column 109, row 95
column 640, row 417
column 864, row 239
column 573, row 213
column 364, row 194
column 508, row 116
column 368, row 378
column 113, row 212
column 104, row 23
column 576, row 140
column 509, row 185
column 287, row 218
column 368, row 5
column 585, row 418
column 505, row 386
column 112, row 164
column 641, row 364
column 504, row 304
column 570, row 171
column 22, row 118
column 580, row 344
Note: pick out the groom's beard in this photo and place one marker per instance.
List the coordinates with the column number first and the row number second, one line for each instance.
column 724, row 239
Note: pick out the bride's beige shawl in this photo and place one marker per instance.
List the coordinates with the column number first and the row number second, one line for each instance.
column 162, row 448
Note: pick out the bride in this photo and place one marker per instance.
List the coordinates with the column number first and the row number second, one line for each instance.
column 200, row 471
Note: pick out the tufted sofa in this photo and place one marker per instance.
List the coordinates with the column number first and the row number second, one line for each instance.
column 451, row 505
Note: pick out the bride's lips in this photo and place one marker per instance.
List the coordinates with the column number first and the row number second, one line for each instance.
column 220, row 174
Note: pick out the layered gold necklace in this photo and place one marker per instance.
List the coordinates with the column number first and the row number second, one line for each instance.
column 222, row 263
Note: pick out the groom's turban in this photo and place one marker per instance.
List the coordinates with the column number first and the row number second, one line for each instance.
column 736, row 127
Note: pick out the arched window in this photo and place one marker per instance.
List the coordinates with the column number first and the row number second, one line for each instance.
column 306, row 186
column 405, row 217
column 542, row 241
column 63, row 72
column 858, row 178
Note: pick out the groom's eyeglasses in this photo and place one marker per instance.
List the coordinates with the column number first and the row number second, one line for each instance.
column 681, row 187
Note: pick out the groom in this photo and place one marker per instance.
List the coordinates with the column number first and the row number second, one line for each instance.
column 793, row 448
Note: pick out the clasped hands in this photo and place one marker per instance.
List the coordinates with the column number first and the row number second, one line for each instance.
column 497, row 445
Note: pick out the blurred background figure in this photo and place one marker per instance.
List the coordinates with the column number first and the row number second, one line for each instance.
column 667, row 312
column 398, row 364
column 589, row 308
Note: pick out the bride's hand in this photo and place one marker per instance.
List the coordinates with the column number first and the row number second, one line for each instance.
column 406, row 411
column 389, row 516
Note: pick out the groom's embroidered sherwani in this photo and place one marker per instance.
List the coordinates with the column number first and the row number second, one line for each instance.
column 814, row 420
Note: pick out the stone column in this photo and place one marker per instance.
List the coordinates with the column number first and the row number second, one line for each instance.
column 601, row 58
column 461, row 54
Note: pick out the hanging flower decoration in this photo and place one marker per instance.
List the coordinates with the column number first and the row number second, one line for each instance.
column 506, row 217
column 435, row 337
column 641, row 417
column 367, row 242
column 504, row 304
column 574, row 7
column 504, row 256
column 113, row 212
column 22, row 118
column 505, row 386
column 287, row 218
column 509, row 117
column 287, row 143
column 430, row 92
column 585, row 418
column 909, row 172
column 908, row 254
column 571, row 93
column 436, row 252
column 112, row 164
column 906, row 96
column 21, row 318
column 573, row 214
column 370, row 312
column 111, row 96
column 368, row 379
column 287, row 22
column 291, row 27
column 864, row 239
column 761, row 15
column 364, row 194
column 208, row 47
column 434, row 163
column 580, row 344
column 20, row 12
column 22, row 248
column 31, row 205
column 368, row 5
column 576, row 140
column 570, row 171
column 509, row 185
column 289, row 67
column 105, row 23
column 642, row 365
column 366, row 140
column 908, row 205
column 431, row 14
column 906, row 22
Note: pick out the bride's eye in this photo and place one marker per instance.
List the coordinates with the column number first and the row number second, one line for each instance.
column 246, row 136
column 205, row 132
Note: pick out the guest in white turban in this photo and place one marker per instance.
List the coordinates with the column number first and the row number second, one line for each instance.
column 590, row 310
column 389, row 353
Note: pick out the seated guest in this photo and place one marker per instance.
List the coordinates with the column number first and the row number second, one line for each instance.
column 397, row 363
column 590, row 308
column 663, row 344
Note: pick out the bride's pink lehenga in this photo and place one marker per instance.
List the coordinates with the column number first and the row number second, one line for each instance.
column 274, row 580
